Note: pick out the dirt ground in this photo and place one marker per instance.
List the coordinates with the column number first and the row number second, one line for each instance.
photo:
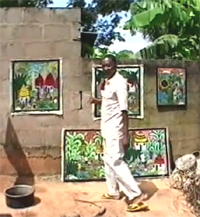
column 54, row 198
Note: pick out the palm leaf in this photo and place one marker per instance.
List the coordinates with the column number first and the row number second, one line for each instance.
column 165, row 41
column 143, row 19
column 170, row 39
column 146, row 17
column 195, row 4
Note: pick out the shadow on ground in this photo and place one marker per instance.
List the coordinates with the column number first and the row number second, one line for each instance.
column 37, row 201
column 148, row 188
column 5, row 215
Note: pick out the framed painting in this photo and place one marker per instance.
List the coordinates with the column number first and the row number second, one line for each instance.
column 36, row 87
column 134, row 77
column 83, row 152
column 82, row 155
column 171, row 87
column 149, row 154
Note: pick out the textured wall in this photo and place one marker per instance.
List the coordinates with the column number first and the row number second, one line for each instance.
column 30, row 33
column 32, row 144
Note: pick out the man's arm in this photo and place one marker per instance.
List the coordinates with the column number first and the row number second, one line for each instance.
column 96, row 101
column 125, row 123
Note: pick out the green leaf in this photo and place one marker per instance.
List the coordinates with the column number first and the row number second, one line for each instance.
column 196, row 5
column 145, row 18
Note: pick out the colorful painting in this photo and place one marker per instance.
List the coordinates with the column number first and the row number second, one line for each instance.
column 36, row 86
column 171, row 87
column 82, row 155
column 148, row 154
column 134, row 76
column 83, row 151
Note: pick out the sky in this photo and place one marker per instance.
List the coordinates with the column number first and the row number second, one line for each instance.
column 133, row 43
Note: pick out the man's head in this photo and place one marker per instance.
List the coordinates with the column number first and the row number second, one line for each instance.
column 109, row 64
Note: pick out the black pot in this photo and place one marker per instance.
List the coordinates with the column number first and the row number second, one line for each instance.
column 20, row 196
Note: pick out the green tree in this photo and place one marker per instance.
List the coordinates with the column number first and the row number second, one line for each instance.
column 105, row 26
column 172, row 25
column 125, row 55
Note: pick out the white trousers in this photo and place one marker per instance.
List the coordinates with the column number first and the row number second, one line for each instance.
column 117, row 172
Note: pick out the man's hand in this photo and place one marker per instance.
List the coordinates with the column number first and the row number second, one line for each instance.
column 93, row 100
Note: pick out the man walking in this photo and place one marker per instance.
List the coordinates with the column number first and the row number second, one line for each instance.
column 114, row 129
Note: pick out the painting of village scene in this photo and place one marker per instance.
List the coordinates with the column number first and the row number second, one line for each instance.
column 36, row 86
column 148, row 154
column 83, row 151
column 134, row 77
column 171, row 86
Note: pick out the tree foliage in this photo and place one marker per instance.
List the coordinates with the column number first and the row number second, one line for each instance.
column 172, row 25
column 94, row 20
column 122, row 55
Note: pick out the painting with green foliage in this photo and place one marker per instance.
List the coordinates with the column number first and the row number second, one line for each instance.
column 134, row 77
column 83, row 152
column 171, row 87
column 36, row 86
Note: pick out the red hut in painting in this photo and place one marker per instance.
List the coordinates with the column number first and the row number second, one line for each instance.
column 159, row 163
column 50, row 84
column 49, row 81
column 39, row 81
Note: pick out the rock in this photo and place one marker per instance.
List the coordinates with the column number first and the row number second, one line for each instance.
column 175, row 180
column 186, row 162
column 198, row 167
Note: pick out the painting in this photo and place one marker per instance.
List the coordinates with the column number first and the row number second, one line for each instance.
column 36, row 87
column 171, row 87
column 134, row 77
column 83, row 152
column 82, row 155
column 148, row 154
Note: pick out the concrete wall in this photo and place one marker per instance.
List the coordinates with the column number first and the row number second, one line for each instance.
column 32, row 144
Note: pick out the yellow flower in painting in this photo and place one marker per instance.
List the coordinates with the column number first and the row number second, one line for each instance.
column 140, row 138
column 24, row 92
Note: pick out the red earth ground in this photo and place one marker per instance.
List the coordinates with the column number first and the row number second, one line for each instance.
column 54, row 198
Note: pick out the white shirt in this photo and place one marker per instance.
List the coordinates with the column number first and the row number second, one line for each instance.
column 114, row 101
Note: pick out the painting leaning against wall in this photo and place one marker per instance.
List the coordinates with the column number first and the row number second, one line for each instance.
column 134, row 77
column 171, row 87
column 36, row 87
column 83, row 152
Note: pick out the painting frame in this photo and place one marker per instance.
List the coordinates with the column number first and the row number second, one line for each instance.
column 141, row 89
column 63, row 154
column 159, row 104
column 58, row 111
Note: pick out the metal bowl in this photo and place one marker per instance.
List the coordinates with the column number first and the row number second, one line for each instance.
column 20, row 196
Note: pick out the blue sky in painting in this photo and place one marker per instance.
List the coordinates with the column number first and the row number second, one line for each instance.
column 133, row 43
